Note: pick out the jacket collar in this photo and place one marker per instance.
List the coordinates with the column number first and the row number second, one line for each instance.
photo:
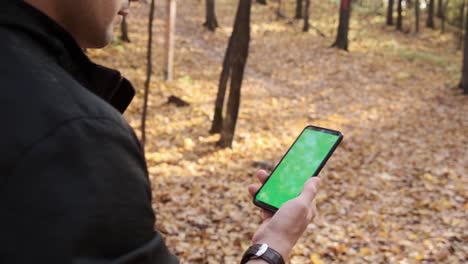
column 104, row 82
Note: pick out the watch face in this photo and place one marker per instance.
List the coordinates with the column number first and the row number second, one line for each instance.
column 263, row 248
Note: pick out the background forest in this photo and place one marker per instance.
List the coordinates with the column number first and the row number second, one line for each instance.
column 395, row 191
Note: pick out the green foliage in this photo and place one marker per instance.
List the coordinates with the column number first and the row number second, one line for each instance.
column 425, row 57
column 116, row 40
column 368, row 7
column 416, row 55
column 335, row 1
column 454, row 13
column 429, row 58
column 186, row 81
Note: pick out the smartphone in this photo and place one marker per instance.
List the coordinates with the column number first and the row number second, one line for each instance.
column 304, row 159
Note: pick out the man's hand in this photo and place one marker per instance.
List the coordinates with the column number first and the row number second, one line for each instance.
column 282, row 230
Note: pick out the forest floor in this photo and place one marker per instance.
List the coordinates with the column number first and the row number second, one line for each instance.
column 396, row 189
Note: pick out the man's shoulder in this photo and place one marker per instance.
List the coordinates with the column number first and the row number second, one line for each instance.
column 38, row 96
column 35, row 85
column 27, row 70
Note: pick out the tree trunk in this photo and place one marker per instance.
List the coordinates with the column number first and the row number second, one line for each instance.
column 149, row 69
column 124, row 30
column 430, row 15
column 390, row 12
column 298, row 9
column 440, row 9
column 211, row 22
column 341, row 41
column 279, row 11
column 444, row 16
column 464, row 82
column 236, row 57
column 306, row 16
column 170, row 37
column 399, row 24
column 416, row 15
column 462, row 24
column 262, row 2
column 217, row 124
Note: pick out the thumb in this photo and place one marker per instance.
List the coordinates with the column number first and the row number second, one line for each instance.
column 310, row 189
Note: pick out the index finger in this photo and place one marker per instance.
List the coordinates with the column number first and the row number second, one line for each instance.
column 262, row 176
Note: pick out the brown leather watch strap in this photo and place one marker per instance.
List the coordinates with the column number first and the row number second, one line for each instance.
column 262, row 251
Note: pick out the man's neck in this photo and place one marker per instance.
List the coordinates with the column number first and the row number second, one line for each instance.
column 47, row 7
column 52, row 9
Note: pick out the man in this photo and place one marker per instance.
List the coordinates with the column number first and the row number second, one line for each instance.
column 74, row 185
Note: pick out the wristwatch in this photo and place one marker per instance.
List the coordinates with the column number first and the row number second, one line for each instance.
column 262, row 251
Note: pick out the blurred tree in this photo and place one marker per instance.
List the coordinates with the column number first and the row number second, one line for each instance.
column 298, row 9
column 124, row 30
column 390, row 12
column 464, row 81
column 149, row 70
column 417, row 9
column 462, row 18
column 233, row 70
column 399, row 24
column 453, row 13
column 408, row 4
column 306, row 16
column 211, row 22
column 444, row 15
column 440, row 8
column 171, row 6
column 279, row 11
column 430, row 15
column 341, row 41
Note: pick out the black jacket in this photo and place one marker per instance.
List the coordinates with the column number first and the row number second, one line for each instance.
column 73, row 181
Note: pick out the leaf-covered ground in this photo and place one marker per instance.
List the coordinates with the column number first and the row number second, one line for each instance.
column 394, row 192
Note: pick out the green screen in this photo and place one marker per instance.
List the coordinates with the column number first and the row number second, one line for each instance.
column 299, row 164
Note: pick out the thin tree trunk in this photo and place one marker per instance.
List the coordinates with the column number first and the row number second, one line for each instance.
column 298, row 9
column 211, row 21
column 170, row 38
column 440, row 7
column 462, row 23
column 124, row 30
column 341, row 41
column 444, row 16
column 430, row 15
column 149, row 69
column 399, row 25
column 239, row 43
column 417, row 15
column 233, row 105
column 306, row 16
column 217, row 124
column 390, row 12
column 464, row 81
column 279, row 11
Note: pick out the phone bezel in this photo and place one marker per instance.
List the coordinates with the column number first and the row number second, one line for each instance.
column 316, row 173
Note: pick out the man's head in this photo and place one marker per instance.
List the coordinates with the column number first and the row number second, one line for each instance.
column 91, row 22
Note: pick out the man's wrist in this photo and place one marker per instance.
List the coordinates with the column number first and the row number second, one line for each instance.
column 257, row 261
column 280, row 246
column 263, row 252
